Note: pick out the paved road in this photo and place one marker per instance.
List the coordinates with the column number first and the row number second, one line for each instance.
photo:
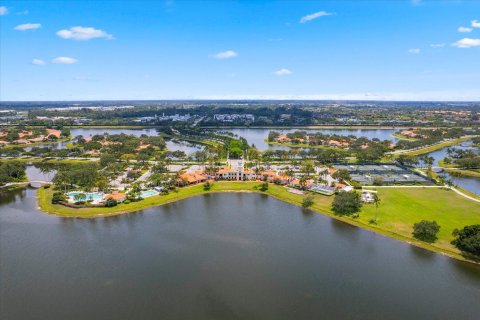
column 464, row 195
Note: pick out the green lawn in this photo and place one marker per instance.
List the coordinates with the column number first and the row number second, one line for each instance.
column 399, row 209
column 434, row 147
column 469, row 173
column 402, row 137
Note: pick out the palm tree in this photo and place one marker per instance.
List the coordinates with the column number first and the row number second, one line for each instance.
column 376, row 202
column 79, row 197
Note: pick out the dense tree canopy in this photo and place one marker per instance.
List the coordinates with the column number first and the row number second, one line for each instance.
column 426, row 230
column 346, row 203
column 468, row 239
column 11, row 171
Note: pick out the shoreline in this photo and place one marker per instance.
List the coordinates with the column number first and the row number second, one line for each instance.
column 36, row 144
column 295, row 146
column 274, row 191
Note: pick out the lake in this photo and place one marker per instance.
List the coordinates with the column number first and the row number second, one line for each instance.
column 471, row 184
column 442, row 153
column 258, row 136
column 219, row 256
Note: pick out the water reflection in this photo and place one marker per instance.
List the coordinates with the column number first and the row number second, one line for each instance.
column 258, row 136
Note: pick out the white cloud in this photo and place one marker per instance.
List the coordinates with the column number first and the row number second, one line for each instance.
column 437, row 45
column 414, row 51
column 464, row 29
column 83, row 33
column 38, row 62
column 225, row 54
column 3, row 10
column 314, row 16
column 64, row 60
column 28, row 26
column 282, row 72
column 467, row 43
column 475, row 24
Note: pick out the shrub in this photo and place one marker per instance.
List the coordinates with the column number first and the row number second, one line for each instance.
column 264, row 187
column 468, row 239
column 126, row 201
column 307, row 201
column 355, row 184
column 346, row 203
column 207, row 186
column 58, row 197
column 426, row 230
column 377, row 181
column 341, row 174
column 110, row 202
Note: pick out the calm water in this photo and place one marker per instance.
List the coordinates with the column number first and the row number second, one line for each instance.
column 34, row 173
column 442, row 153
column 471, row 184
column 223, row 256
column 258, row 136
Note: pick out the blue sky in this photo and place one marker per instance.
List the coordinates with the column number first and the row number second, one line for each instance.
column 374, row 50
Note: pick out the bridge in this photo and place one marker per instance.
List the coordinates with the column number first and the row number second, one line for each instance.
column 32, row 183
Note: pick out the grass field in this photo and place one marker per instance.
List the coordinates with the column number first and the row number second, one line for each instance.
column 402, row 137
column 398, row 210
column 468, row 173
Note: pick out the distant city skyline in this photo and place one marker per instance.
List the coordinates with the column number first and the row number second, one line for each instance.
column 308, row 50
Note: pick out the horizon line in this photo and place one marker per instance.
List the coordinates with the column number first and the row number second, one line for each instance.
column 231, row 99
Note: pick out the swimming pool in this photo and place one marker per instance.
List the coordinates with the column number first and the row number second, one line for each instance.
column 86, row 196
column 149, row 193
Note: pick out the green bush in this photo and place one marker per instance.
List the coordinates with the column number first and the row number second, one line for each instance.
column 346, row 203
column 126, row 201
column 207, row 186
column 307, row 201
column 468, row 239
column 110, row 203
column 58, row 197
column 426, row 230
column 355, row 184
column 377, row 181
column 264, row 187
